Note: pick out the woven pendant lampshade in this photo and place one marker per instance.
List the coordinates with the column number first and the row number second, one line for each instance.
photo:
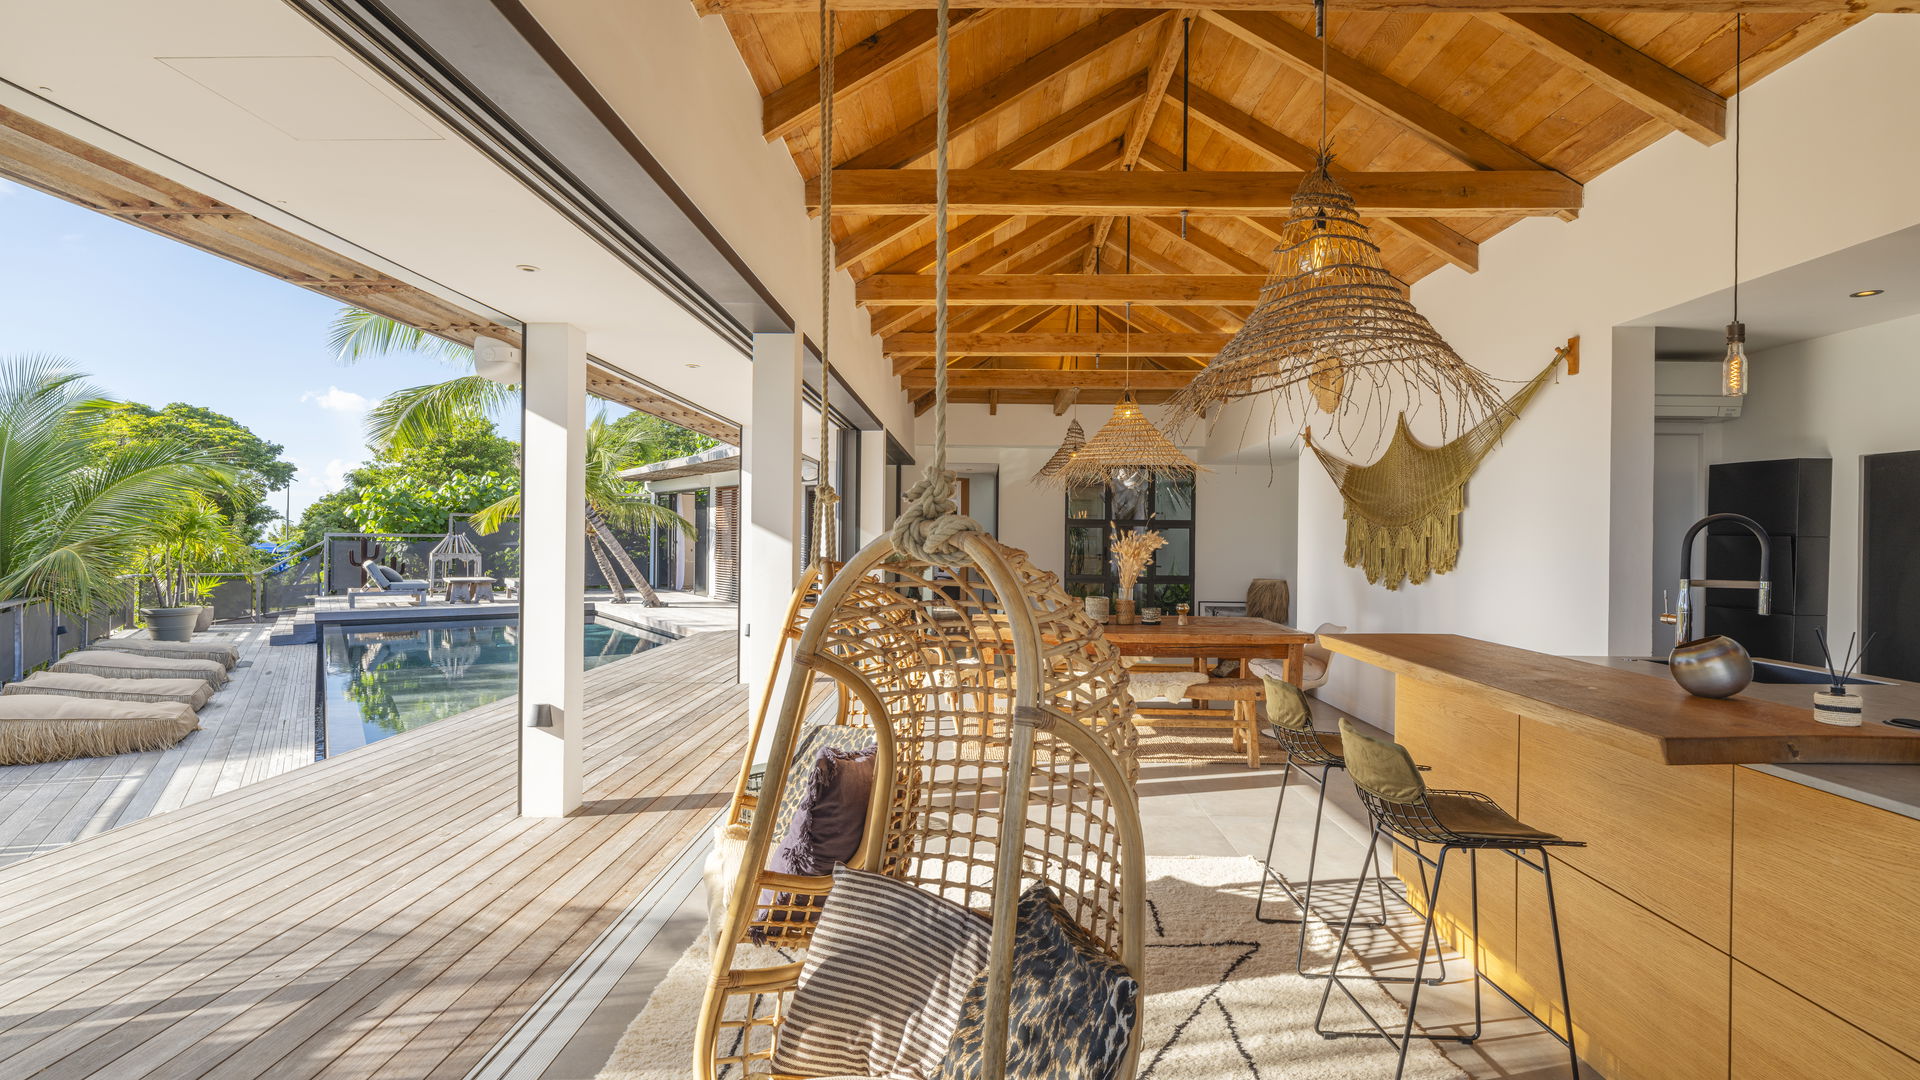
column 1127, row 449
column 1332, row 323
column 1069, row 446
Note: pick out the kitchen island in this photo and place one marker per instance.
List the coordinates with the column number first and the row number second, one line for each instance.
column 1741, row 909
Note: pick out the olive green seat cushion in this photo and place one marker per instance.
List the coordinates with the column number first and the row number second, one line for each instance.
column 1386, row 770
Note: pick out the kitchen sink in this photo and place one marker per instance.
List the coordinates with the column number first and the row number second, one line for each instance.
column 1773, row 671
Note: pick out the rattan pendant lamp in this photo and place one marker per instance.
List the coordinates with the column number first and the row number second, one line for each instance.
column 1002, row 734
column 1332, row 325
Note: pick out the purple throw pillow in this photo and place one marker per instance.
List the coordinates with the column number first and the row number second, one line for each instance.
column 831, row 818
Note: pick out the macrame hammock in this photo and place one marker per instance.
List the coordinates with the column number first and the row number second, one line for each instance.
column 1403, row 511
column 1000, row 724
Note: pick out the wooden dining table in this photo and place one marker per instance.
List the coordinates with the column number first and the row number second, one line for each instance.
column 1217, row 637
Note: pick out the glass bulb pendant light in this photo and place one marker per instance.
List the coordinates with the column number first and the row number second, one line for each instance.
column 1736, row 375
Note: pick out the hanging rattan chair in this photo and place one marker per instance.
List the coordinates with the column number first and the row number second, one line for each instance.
column 1004, row 756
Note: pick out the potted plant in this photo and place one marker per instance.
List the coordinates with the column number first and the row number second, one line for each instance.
column 1132, row 554
column 194, row 539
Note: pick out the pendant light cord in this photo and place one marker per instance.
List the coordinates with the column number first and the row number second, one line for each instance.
column 825, row 498
column 1320, row 31
column 1739, row 114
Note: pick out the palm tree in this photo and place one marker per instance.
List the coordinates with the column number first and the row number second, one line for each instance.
column 413, row 416
column 611, row 501
column 74, row 516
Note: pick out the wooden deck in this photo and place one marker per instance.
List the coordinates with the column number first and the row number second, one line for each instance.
column 383, row 913
column 258, row 725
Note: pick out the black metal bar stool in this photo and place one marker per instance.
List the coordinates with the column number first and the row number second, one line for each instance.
column 1408, row 814
column 1291, row 720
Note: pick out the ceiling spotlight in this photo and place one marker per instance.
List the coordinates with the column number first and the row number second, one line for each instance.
column 528, row 267
column 1866, row 292
column 693, row 365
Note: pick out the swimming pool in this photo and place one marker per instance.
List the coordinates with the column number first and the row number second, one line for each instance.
column 381, row 679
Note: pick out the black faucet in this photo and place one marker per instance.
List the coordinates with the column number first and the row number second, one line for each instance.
column 1682, row 616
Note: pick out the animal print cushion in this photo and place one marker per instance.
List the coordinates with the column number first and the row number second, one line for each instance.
column 1072, row 1010
column 885, row 976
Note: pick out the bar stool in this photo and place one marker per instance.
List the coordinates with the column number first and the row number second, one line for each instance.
column 1408, row 814
column 1292, row 722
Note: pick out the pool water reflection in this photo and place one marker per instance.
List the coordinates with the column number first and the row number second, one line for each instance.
column 383, row 679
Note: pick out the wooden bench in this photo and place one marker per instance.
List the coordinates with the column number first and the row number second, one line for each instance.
column 1243, row 721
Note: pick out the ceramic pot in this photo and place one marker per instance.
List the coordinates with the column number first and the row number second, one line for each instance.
column 205, row 619
column 1840, row 710
column 1711, row 667
column 171, row 623
column 1123, row 611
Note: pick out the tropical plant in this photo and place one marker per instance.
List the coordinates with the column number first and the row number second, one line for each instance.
column 74, row 513
column 611, row 502
column 258, row 462
column 194, row 538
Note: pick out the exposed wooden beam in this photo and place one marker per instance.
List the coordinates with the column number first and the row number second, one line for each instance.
column 1262, row 138
column 1301, row 50
column 1046, row 344
column 1047, row 261
column 797, row 104
column 1626, row 72
column 1401, row 7
column 1041, row 191
column 1064, row 399
column 1158, row 77
column 1207, row 244
column 917, row 140
column 1155, row 290
column 1043, row 379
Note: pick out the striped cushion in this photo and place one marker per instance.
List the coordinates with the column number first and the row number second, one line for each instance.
column 883, row 983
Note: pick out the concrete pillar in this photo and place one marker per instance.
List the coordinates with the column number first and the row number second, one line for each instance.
column 553, row 569
column 770, row 497
column 876, row 494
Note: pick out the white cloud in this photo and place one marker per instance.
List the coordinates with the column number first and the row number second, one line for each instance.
column 335, row 399
column 336, row 473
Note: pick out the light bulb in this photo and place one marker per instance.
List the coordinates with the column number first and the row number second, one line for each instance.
column 1736, row 372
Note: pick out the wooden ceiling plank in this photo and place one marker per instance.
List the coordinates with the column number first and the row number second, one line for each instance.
column 1059, row 344
column 1159, row 78
column 1623, row 70
column 1051, row 259
column 970, row 109
column 963, row 237
column 1300, row 50
column 1301, row 7
column 987, row 378
column 797, row 104
column 972, row 290
column 1041, row 191
column 1207, row 244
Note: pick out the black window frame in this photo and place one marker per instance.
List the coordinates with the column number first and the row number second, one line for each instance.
column 1155, row 588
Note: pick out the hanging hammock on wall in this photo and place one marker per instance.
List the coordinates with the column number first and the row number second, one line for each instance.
column 1002, row 739
column 1403, row 511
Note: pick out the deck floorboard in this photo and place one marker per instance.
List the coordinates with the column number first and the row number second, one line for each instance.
column 383, row 913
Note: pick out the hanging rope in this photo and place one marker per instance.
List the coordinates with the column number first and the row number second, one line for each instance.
column 927, row 527
column 826, row 501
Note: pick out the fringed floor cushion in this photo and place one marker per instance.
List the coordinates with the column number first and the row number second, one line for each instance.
column 51, row 727
column 225, row 655
column 192, row 693
column 109, row 664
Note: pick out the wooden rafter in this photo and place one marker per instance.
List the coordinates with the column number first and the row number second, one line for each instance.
column 1059, row 344
column 1400, row 7
column 1040, row 191
column 1042, row 379
column 797, row 104
column 1155, row 290
column 1625, row 71
column 1158, row 78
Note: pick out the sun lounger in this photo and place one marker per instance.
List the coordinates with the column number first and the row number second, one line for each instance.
column 388, row 580
column 52, row 727
column 192, row 693
column 226, row 655
column 123, row 665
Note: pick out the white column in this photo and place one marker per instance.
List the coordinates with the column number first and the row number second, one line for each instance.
column 770, row 494
column 553, row 571
column 876, row 496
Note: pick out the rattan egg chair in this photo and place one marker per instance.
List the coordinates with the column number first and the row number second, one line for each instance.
column 1004, row 756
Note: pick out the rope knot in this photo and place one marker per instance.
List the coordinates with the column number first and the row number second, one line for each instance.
column 927, row 527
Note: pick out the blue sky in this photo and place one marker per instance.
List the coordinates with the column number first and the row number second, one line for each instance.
column 155, row 321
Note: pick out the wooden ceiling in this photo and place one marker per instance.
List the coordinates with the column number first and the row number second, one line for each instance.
column 1450, row 120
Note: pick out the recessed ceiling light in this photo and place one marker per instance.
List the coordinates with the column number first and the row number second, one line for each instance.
column 1866, row 292
column 528, row 267
column 693, row 365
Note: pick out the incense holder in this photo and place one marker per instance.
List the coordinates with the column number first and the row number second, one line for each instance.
column 1840, row 710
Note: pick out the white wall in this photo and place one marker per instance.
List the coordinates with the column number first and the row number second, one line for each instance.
column 1245, row 524
column 1556, row 519
column 1842, row 396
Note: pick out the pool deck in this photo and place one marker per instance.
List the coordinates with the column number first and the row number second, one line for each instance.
column 383, row 913
column 258, row 725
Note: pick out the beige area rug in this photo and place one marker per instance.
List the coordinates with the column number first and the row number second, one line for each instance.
column 1168, row 742
column 1223, row 1002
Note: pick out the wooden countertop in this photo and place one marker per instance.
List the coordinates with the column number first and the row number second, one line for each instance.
column 1650, row 710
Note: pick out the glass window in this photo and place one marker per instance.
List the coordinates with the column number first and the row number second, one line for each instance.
column 1165, row 506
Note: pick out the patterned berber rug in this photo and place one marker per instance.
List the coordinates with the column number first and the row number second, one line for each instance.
column 1223, row 1002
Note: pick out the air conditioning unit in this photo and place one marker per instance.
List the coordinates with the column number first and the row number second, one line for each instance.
column 1689, row 391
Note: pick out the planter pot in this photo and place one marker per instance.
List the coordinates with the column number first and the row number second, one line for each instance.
column 205, row 619
column 171, row 623
column 1840, row 710
column 1123, row 611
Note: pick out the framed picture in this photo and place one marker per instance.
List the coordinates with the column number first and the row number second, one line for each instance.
column 1222, row 607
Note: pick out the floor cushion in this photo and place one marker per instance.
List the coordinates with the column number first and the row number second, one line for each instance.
column 1072, row 1007
column 52, row 727
column 884, row 981
column 226, row 655
column 192, row 693
column 109, row 664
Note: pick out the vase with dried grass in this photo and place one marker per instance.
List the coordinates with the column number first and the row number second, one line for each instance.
column 1132, row 554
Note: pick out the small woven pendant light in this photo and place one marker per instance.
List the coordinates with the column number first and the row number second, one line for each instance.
column 1127, row 450
column 1069, row 446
